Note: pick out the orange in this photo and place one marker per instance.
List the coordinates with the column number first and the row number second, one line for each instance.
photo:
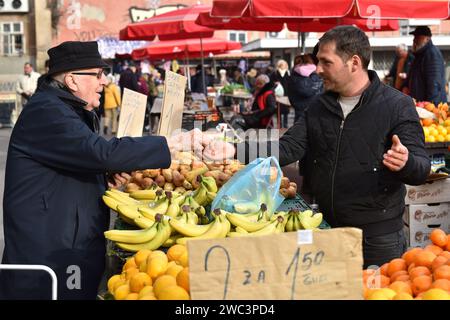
column 424, row 258
column 411, row 266
column 163, row 282
column 132, row 296
column 396, row 265
column 399, row 286
column 173, row 293
column 443, row 272
column 121, row 292
column 156, row 266
column 384, row 269
column 427, row 121
column 131, row 263
column 419, row 271
column 403, row 296
column 183, row 279
column 404, row 278
column 445, row 254
column 141, row 256
column 436, row 294
column 139, row 281
column 398, row 274
column 175, row 252
column 174, row 270
column 443, row 284
column 112, row 281
column 128, row 273
column 147, row 290
column 439, row 261
column 438, row 237
column 421, row 284
column 434, row 248
column 408, row 256
column 378, row 282
column 447, row 247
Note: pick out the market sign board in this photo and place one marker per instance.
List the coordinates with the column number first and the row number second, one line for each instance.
column 173, row 104
column 303, row 265
column 132, row 114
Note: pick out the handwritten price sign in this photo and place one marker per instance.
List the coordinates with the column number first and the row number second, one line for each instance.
column 283, row 266
column 173, row 104
column 132, row 114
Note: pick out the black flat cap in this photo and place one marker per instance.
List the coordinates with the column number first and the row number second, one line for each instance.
column 74, row 55
column 421, row 31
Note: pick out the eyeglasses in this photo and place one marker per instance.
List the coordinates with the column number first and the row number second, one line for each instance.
column 97, row 74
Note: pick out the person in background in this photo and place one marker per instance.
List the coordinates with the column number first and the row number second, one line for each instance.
column 129, row 79
column 223, row 79
column 112, row 104
column 263, row 106
column 400, row 67
column 26, row 85
column 237, row 77
column 197, row 80
column 281, row 79
column 251, row 79
column 304, row 85
column 426, row 79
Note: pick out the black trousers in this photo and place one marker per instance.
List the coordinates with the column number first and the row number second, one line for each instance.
column 380, row 249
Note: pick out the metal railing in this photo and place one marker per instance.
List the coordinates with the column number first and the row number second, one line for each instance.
column 32, row 267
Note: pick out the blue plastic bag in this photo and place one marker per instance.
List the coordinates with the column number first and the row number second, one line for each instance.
column 251, row 187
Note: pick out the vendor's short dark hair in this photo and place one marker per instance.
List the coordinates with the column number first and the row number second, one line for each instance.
column 349, row 41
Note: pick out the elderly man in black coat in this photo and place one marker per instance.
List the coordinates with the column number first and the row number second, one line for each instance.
column 55, row 177
column 426, row 79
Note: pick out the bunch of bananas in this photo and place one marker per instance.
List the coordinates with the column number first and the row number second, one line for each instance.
column 297, row 220
column 218, row 228
column 150, row 239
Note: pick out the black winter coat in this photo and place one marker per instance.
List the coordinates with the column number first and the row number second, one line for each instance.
column 426, row 77
column 344, row 157
column 303, row 90
column 53, row 209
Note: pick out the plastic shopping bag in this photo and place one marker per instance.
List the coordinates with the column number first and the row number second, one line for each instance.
column 258, row 183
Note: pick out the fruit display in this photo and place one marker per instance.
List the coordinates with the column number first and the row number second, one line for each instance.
column 435, row 122
column 184, row 171
column 153, row 275
column 421, row 274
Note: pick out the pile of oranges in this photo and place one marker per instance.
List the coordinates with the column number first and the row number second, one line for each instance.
column 153, row 275
column 421, row 274
column 436, row 129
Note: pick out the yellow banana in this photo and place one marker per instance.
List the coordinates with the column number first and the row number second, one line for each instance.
column 210, row 196
column 111, row 202
column 162, row 234
column 226, row 226
column 160, row 207
column 215, row 231
column 129, row 212
column 143, row 222
column 241, row 230
column 121, row 198
column 189, row 230
column 250, row 226
column 132, row 236
column 290, row 223
column 173, row 210
column 309, row 220
column 200, row 196
column 125, row 194
column 210, row 184
column 149, row 194
column 245, row 207
column 271, row 228
column 171, row 241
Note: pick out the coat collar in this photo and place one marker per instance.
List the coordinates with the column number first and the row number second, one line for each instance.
column 78, row 105
column 330, row 98
column 421, row 51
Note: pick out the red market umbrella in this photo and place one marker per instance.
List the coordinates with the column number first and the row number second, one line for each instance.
column 173, row 25
column 182, row 49
column 384, row 9
column 177, row 24
column 294, row 24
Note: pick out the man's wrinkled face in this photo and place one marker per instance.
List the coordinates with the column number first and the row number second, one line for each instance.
column 87, row 84
column 336, row 73
column 27, row 69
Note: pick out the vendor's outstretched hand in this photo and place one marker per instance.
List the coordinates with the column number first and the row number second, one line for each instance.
column 116, row 181
column 396, row 157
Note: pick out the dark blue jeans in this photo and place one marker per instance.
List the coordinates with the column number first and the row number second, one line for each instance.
column 380, row 249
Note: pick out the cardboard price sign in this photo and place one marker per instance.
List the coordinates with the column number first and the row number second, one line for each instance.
column 132, row 114
column 173, row 104
column 324, row 264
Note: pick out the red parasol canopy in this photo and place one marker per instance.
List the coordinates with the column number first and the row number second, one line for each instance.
column 182, row 49
column 383, row 9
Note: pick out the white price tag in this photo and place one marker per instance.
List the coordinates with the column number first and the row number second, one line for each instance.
column 304, row 237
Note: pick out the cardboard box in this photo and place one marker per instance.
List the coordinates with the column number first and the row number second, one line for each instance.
column 422, row 219
column 430, row 192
